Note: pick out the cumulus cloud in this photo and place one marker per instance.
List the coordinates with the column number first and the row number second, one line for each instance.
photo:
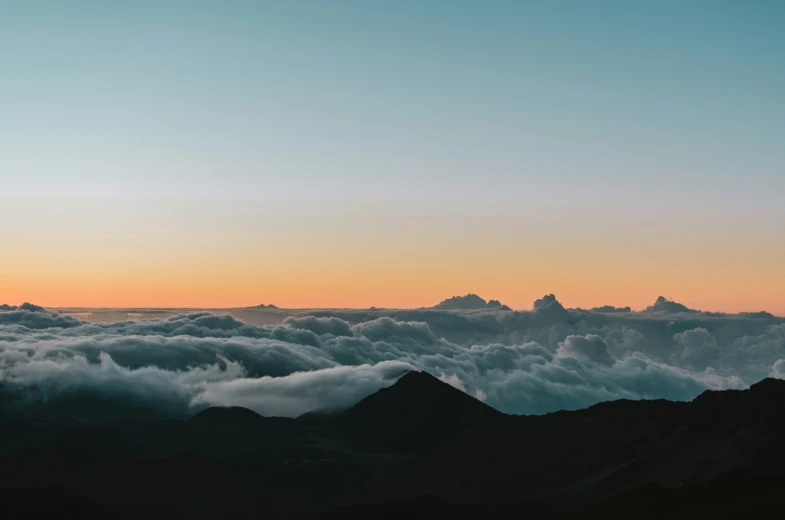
column 388, row 328
column 590, row 348
column 320, row 326
column 662, row 304
column 469, row 302
column 537, row 361
column 611, row 308
column 549, row 304
column 778, row 370
column 698, row 347
column 29, row 316
column 301, row 392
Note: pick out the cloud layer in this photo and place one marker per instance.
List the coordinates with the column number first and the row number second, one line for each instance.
column 543, row 360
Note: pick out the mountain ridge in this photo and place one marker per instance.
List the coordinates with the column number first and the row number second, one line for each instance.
column 419, row 437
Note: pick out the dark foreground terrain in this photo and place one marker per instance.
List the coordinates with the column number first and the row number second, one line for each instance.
column 419, row 448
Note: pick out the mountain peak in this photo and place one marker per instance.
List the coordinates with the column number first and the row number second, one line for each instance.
column 413, row 415
column 416, row 378
column 760, row 398
column 769, row 385
column 415, row 389
column 227, row 416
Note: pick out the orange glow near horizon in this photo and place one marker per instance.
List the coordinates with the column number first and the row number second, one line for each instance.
column 104, row 254
column 396, row 288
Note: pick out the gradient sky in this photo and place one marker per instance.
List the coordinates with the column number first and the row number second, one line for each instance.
column 392, row 153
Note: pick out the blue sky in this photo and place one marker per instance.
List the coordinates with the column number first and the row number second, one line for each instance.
column 386, row 98
column 572, row 112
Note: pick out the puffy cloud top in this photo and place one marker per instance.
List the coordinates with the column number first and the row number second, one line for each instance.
column 590, row 347
column 32, row 316
column 549, row 305
column 320, row 326
column 778, row 370
column 664, row 305
column 390, row 329
column 535, row 361
column 611, row 308
column 469, row 302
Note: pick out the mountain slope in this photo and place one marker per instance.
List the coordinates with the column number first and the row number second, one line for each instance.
column 420, row 445
column 600, row 451
column 413, row 415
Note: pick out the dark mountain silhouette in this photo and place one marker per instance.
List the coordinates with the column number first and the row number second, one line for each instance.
column 49, row 502
column 412, row 416
column 417, row 448
column 79, row 410
column 731, row 496
column 232, row 416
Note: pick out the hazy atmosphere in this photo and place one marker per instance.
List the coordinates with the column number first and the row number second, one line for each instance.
column 522, row 362
column 391, row 259
column 355, row 154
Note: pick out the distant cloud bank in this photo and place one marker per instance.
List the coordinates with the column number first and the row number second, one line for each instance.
column 523, row 362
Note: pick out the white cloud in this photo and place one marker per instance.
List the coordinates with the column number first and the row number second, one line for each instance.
column 519, row 362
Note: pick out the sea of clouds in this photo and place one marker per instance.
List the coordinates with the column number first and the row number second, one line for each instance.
column 522, row 362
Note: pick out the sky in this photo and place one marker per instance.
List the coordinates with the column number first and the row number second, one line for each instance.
column 348, row 154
